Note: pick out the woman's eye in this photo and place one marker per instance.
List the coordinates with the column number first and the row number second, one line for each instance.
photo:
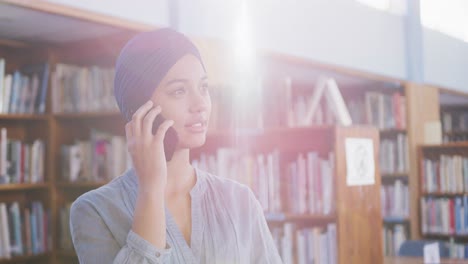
column 179, row 91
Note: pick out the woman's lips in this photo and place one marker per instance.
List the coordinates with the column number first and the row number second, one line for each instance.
column 198, row 127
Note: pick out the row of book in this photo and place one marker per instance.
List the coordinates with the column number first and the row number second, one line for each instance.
column 311, row 245
column 24, row 231
column 278, row 103
column 448, row 174
column 457, row 250
column 99, row 159
column 459, row 137
column 455, row 121
column 82, row 89
column 383, row 110
column 299, row 186
column 447, row 216
column 25, row 90
column 21, row 162
column 393, row 237
column 302, row 103
column 394, row 156
column 395, row 200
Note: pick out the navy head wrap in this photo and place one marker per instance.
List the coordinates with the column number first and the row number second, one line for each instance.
column 143, row 63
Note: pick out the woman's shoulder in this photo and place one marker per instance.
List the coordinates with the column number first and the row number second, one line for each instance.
column 110, row 194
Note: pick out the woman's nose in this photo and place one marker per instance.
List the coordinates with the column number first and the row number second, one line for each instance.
column 199, row 103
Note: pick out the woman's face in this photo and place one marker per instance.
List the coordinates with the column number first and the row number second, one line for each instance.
column 184, row 97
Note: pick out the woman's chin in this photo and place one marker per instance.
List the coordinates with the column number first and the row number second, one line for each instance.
column 193, row 141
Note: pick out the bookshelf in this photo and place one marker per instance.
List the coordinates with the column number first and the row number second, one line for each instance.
column 443, row 176
column 384, row 104
column 58, row 129
column 33, row 47
column 422, row 107
column 453, row 115
column 349, row 208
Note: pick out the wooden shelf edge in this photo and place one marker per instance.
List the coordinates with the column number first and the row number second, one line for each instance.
column 442, row 194
column 461, row 144
column 25, row 258
column 455, row 133
column 13, row 43
column 4, row 116
column 78, row 13
column 85, row 115
column 444, row 236
column 271, row 217
column 23, row 186
column 72, row 185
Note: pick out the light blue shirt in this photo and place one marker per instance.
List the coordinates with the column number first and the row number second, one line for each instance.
column 228, row 226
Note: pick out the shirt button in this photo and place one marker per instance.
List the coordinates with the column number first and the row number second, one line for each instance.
column 158, row 254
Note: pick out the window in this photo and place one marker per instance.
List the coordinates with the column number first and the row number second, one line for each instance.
column 396, row 7
column 449, row 17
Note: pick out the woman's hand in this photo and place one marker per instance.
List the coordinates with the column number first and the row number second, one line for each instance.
column 147, row 150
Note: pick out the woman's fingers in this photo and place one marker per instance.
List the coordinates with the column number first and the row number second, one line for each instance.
column 129, row 136
column 138, row 117
column 159, row 136
column 148, row 122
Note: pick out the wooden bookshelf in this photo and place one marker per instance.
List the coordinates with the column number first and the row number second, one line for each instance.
column 40, row 258
column 385, row 104
column 25, row 117
column 63, row 46
column 422, row 107
column 80, row 185
column 351, row 209
column 447, row 146
column 437, row 165
column 454, row 115
column 352, row 212
column 23, row 187
column 299, row 218
column 84, row 116
column 456, row 133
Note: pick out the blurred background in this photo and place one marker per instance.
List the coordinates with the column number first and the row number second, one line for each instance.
column 291, row 82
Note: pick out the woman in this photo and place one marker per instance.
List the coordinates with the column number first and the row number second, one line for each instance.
column 163, row 210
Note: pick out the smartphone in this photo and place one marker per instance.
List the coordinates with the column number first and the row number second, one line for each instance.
column 170, row 139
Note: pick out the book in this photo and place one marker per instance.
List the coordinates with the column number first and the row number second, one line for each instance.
column 329, row 88
column 5, row 232
column 2, row 82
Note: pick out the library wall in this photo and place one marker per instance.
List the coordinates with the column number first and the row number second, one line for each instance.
column 377, row 37
column 374, row 42
column 445, row 60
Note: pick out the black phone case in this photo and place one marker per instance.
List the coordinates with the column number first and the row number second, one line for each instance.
column 170, row 139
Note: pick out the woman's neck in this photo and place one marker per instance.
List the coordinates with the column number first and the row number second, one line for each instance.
column 180, row 174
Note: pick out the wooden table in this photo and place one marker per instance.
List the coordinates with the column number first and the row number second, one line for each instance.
column 410, row 260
